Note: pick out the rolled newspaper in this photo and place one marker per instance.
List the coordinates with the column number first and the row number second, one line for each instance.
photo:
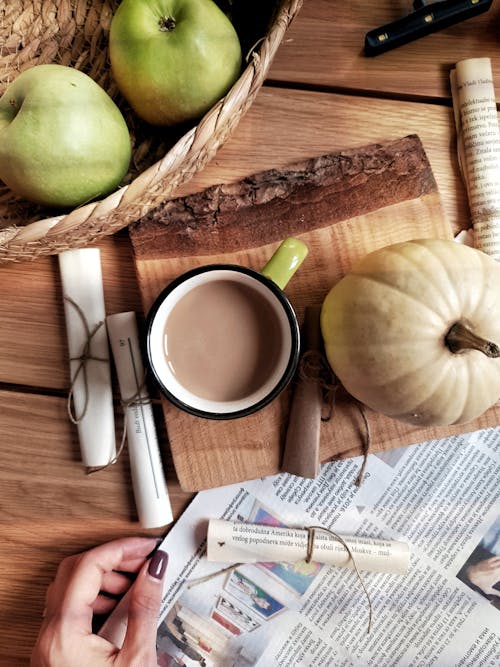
column 236, row 542
column 478, row 145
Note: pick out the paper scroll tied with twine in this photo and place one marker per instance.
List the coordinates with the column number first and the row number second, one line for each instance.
column 237, row 542
column 91, row 390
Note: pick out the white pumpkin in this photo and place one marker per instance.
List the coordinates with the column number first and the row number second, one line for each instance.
column 413, row 331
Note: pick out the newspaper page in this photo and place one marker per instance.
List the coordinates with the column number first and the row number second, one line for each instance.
column 478, row 145
column 440, row 497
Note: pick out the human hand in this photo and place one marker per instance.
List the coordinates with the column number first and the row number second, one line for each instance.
column 485, row 574
column 66, row 638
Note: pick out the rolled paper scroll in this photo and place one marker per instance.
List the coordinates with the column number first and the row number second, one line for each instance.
column 236, row 542
column 478, row 145
column 91, row 389
column 150, row 489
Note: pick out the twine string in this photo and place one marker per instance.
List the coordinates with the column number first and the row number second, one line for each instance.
column 366, row 444
column 314, row 367
column 311, row 530
column 212, row 575
column 83, row 358
column 135, row 400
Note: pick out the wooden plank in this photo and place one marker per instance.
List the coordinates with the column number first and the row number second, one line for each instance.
column 328, row 217
column 50, row 508
column 334, row 32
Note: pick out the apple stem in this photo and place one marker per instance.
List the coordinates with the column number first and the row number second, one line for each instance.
column 167, row 23
column 460, row 338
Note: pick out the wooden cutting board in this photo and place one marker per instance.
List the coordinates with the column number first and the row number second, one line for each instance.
column 342, row 206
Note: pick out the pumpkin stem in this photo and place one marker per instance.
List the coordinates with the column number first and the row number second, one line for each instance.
column 460, row 338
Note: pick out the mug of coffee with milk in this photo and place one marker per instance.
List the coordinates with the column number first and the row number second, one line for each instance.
column 223, row 340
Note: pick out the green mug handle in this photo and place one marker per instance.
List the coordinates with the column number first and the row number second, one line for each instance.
column 285, row 261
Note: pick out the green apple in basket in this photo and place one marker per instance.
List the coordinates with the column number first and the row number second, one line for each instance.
column 63, row 141
column 173, row 59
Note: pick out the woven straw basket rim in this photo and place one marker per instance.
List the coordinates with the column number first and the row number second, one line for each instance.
column 158, row 182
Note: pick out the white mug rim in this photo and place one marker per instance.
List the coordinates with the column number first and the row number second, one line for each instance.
column 179, row 395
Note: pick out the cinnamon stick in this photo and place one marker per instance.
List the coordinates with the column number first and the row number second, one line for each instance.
column 301, row 454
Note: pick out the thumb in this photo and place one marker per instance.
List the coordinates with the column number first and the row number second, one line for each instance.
column 139, row 646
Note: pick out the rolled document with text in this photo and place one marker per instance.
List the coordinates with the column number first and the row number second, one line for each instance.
column 150, row 489
column 478, row 134
column 91, row 388
column 236, row 542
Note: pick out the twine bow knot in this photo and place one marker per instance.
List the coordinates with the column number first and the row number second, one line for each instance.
column 83, row 358
column 133, row 401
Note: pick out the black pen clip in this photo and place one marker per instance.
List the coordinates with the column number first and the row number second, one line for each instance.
column 424, row 20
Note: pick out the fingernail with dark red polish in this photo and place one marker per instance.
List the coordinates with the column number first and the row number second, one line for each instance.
column 158, row 564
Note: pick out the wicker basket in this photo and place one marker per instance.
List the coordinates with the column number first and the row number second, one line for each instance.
column 75, row 32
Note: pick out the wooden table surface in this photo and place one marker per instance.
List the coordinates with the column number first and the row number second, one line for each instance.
column 321, row 95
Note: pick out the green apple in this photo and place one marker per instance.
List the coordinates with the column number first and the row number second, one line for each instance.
column 63, row 141
column 173, row 59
